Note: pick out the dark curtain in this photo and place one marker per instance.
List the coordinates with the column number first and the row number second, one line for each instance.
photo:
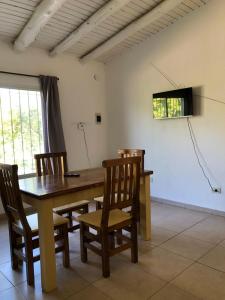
column 52, row 122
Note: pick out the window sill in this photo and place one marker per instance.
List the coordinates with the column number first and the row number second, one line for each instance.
column 27, row 175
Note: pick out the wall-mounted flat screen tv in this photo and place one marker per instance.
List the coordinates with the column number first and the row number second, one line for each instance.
column 173, row 104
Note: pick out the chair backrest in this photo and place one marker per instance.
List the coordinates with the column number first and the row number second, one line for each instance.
column 10, row 195
column 133, row 152
column 51, row 163
column 122, row 186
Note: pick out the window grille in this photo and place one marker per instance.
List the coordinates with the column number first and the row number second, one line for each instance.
column 21, row 130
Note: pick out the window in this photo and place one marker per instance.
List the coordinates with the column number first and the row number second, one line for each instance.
column 21, row 130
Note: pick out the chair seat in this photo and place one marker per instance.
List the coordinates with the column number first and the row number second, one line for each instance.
column 116, row 216
column 33, row 221
column 100, row 199
column 72, row 206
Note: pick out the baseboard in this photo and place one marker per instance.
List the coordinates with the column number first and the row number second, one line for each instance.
column 189, row 206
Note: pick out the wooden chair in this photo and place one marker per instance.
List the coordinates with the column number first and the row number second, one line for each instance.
column 125, row 153
column 133, row 152
column 121, row 190
column 56, row 164
column 23, row 230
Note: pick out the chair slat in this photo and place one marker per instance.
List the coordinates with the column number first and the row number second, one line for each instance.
column 123, row 153
column 119, row 184
column 125, row 188
column 131, row 175
column 113, row 182
column 51, row 163
column 60, row 166
column 55, row 165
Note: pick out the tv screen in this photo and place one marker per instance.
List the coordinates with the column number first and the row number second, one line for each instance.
column 173, row 104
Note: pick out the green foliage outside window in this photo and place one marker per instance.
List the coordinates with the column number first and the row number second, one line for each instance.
column 20, row 128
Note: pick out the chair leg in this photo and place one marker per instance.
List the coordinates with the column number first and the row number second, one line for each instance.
column 85, row 209
column 111, row 240
column 119, row 240
column 66, row 252
column 29, row 262
column 70, row 217
column 105, row 255
column 83, row 249
column 13, row 245
column 98, row 205
column 134, row 243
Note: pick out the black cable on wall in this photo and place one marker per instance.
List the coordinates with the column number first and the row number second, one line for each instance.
column 190, row 128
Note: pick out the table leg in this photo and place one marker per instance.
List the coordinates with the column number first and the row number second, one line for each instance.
column 145, row 209
column 47, row 245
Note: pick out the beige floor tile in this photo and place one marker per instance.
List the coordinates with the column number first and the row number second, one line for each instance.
column 211, row 230
column 171, row 292
column 215, row 258
column 181, row 219
column 162, row 211
column 163, row 263
column 74, row 243
column 3, row 225
column 187, row 246
column 4, row 283
column 4, row 234
column 143, row 248
column 203, row 282
column 68, row 283
column 89, row 293
column 222, row 244
column 160, row 235
column 92, row 270
column 4, row 252
column 167, row 208
column 130, row 283
column 17, row 276
column 11, row 294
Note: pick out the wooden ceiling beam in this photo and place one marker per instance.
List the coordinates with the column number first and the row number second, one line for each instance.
column 140, row 23
column 44, row 11
column 91, row 23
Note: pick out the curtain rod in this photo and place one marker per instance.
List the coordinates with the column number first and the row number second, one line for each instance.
column 21, row 74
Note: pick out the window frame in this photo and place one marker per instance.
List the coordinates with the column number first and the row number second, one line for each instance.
column 40, row 126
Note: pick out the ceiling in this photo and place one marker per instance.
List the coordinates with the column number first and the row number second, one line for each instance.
column 15, row 14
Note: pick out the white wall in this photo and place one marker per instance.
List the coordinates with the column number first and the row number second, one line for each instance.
column 80, row 97
column 192, row 53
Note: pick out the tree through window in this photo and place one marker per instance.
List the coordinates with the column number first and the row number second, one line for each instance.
column 21, row 133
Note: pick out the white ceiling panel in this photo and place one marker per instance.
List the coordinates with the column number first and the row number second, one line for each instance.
column 14, row 14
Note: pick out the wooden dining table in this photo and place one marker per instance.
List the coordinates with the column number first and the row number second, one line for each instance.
column 47, row 192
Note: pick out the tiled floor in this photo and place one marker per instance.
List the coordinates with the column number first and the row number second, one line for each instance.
column 185, row 260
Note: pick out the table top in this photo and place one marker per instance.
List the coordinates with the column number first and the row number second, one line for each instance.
column 44, row 187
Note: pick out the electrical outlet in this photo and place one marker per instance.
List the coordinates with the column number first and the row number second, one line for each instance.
column 216, row 190
column 81, row 125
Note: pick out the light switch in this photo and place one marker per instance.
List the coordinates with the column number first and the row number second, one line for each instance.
column 98, row 118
